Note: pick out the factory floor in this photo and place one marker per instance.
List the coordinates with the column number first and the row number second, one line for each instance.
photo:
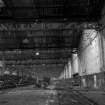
column 26, row 96
column 98, row 96
column 32, row 96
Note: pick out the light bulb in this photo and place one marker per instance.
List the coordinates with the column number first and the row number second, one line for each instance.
column 37, row 53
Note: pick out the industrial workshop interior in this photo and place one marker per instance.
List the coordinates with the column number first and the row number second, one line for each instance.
column 52, row 52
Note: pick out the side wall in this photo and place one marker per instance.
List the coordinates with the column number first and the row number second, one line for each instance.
column 90, row 52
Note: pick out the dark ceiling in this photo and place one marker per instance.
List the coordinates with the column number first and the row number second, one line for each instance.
column 50, row 27
column 39, row 35
column 51, row 10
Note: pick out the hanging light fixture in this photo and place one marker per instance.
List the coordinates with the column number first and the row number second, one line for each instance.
column 25, row 41
column 14, row 73
column 7, row 72
column 37, row 53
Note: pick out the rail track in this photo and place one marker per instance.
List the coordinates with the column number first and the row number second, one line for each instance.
column 73, row 97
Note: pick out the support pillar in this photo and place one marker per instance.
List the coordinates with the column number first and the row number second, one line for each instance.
column 69, row 69
column 95, row 81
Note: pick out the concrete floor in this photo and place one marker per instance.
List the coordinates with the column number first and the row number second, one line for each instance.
column 31, row 96
column 95, row 95
column 26, row 96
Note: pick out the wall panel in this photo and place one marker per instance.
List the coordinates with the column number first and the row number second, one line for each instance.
column 90, row 53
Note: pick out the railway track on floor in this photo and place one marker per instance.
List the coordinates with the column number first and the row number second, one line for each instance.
column 73, row 97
